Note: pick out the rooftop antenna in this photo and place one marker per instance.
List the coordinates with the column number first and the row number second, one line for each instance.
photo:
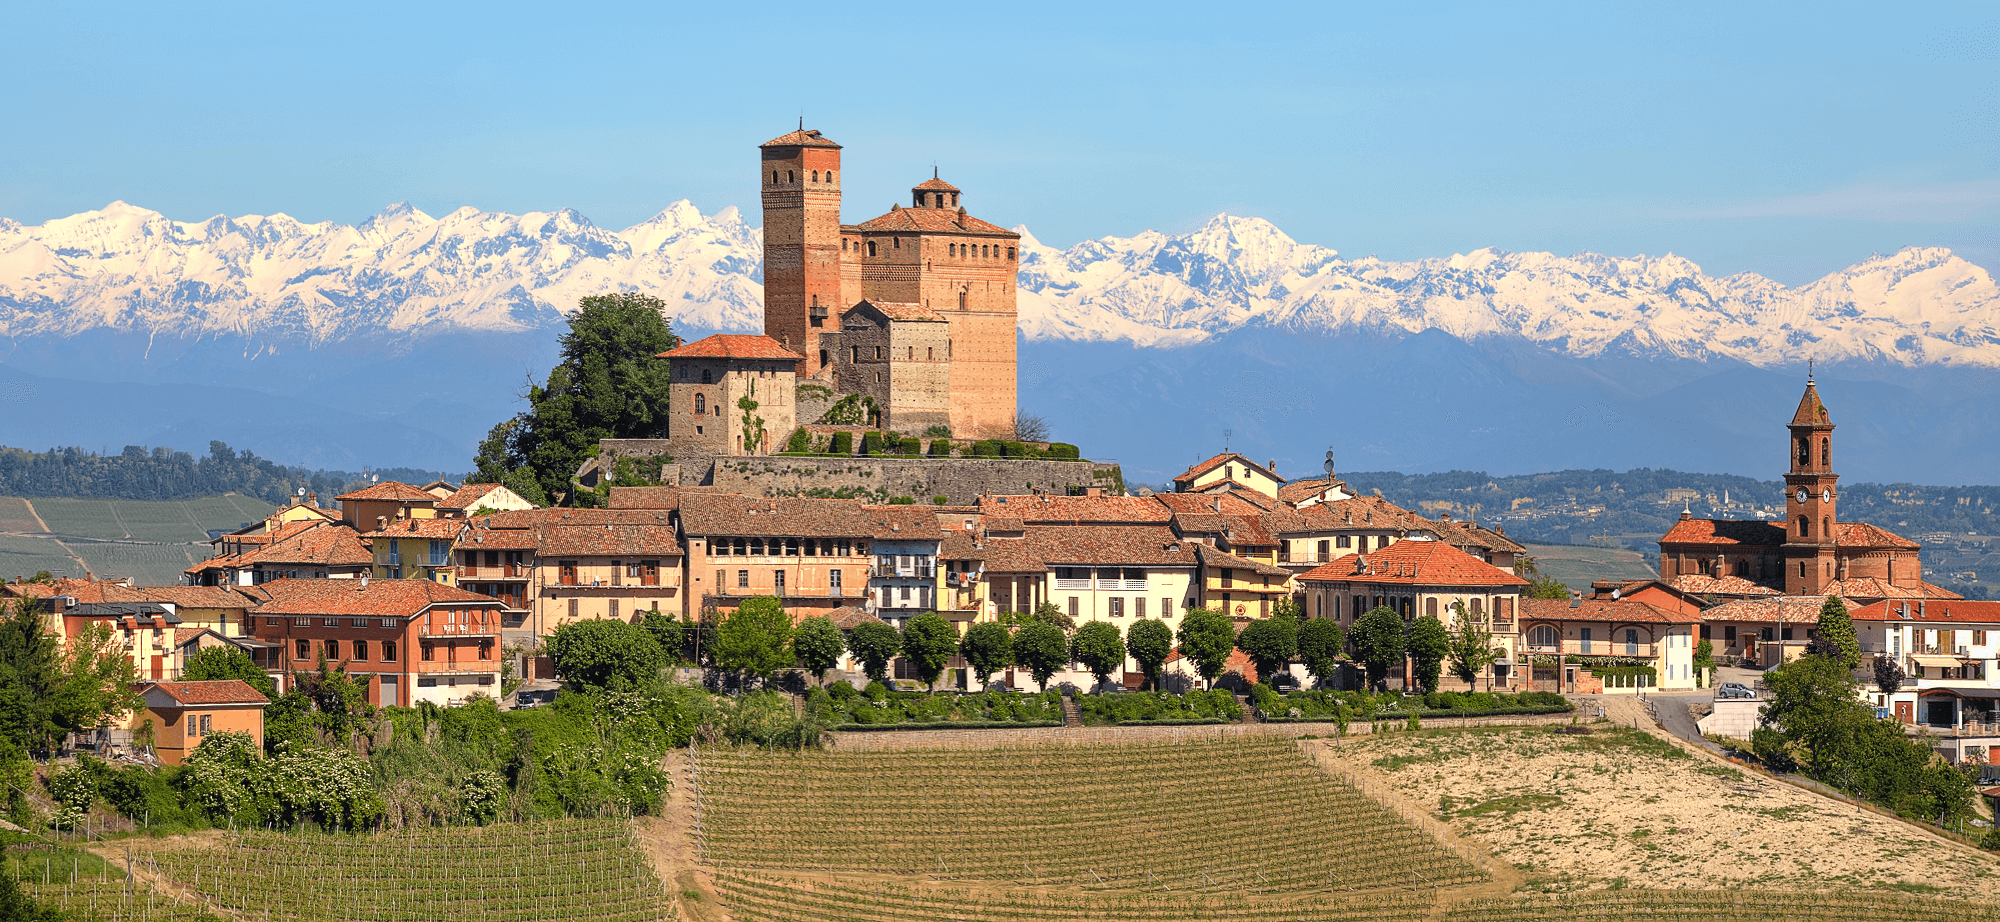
column 1226, row 433
column 1809, row 370
column 1329, row 462
column 802, row 119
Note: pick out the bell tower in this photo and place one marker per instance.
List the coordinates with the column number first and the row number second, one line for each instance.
column 800, row 174
column 1811, row 498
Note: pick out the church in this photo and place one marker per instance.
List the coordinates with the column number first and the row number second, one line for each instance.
column 1810, row 554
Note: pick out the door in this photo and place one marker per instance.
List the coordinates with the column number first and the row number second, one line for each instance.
column 1938, row 713
column 390, row 692
column 1906, row 712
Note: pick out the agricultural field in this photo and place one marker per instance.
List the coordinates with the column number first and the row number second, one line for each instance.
column 26, row 556
column 17, row 516
column 1579, row 566
column 148, row 564
column 584, row 870
column 148, row 520
column 150, row 541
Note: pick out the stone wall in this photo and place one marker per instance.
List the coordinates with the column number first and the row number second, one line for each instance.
column 960, row 480
column 1001, row 737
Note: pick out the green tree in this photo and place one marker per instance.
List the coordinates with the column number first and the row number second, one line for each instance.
column 1378, row 642
column 817, row 645
column 1429, row 644
column 1270, row 643
column 30, row 661
column 1288, row 608
column 1206, row 637
column 987, row 647
column 874, row 644
column 928, row 643
column 1704, row 655
column 1040, row 648
column 1837, row 629
column 607, row 383
column 1889, row 677
column 756, row 638
column 1321, row 642
column 1150, row 643
column 1049, row 613
column 667, row 631
column 1470, row 649
column 1099, row 648
column 597, row 654
column 228, row 662
column 1813, row 703
column 94, row 680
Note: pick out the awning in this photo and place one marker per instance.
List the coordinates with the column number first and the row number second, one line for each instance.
column 1936, row 661
column 1962, row 691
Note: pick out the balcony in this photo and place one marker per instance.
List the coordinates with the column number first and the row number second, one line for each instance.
column 1073, row 583
column 493, row 573
column 457, row 630
column 881, row 572
column 789, row 592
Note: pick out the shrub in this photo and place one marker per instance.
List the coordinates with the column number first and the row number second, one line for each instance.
column 842, row 690
column 842, row 444
column 940, row 448
column 940, row 500
column 875, row 691
column 985, row 448
column 1061, row 451
column 801, row 441
column 902, row 500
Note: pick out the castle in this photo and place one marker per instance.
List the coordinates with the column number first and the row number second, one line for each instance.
column 913, row 309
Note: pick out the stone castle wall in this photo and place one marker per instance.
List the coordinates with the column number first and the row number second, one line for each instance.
column 959, row 480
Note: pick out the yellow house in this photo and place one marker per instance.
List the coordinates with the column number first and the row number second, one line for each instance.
column 416, row 548
column 377, row 506
column 1226, row 468
column 1240, row 586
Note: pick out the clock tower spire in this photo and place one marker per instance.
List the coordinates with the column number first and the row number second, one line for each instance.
column 1811, row 499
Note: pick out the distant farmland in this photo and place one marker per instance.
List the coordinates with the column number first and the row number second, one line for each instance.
column 1579, row 566
column 151, row 541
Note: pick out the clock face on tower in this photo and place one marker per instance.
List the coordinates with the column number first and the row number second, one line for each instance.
column 1803, row 494
column 1825, row 495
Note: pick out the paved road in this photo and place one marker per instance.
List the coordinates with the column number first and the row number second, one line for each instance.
column 1675, row 718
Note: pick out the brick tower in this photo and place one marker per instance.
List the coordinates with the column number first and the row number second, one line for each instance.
column 1810, row 499
column 801, row 179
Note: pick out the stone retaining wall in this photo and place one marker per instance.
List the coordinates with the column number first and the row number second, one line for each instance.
column 1031, row 736
column 959, row 480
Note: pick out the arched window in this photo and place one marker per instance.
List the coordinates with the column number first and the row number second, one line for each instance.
column 701, row 403
column 1544, row 636
column 1478, row 609
column 1826, row 526
column 871, row 247
column 823, row 358
column 1805, row 452
column 829, row 175
column 1742, row 568
column 961, row 299
column 815, row 175
column 1826, row 452
column 774, row 177
column 1805, row 527
column 705, row 377
column 951, row 249
column 791, row 177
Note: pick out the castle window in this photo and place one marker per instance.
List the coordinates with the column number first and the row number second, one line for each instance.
column 823, row 358
column 985, row 251
column 1805, row 452
column 815, row 175
column 913, row 353
column 774, row 177
column 878, row 352
column 791, row 177
column 705, row 377
column 1010, row 252
column 1826, row 526
column 829, row 175
column 899, row 242
column 857, row 354
column 871, row 247
column 700, row 403
column 930, row 352
column 1805, row 527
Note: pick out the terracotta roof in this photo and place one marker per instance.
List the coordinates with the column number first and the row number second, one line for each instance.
column 1213, row 559
column 1232, row 503
column 607, row 540
column 1725, row 532
column 1960, row 611
column 1078, row 510
column 468, row 496
column 1217, row 461
column 734, row 346
column 902, row 523
column 498, row 539
column 1005, row 524
column 1296, row 490
column 1869, row 587
column 1110, row 545
column 1013, row 555
column 1811, row 411
column 390, row 490
column 959, row 544
column 1414, row 563
column 371, row 598
column 1862, row 534
column 900, row 311
column 196, row 596
column 655, row 497
column 435, row 529
column 934, row 184
column 30, row 590
column 317, row 544
column 800, row 138
column 1356, row 513
column 1471, row 534
column 1234, row 530
column 931, row 221
column 1719, row 585
column 184, row 634
column 1621, row 611
column 849, row 617
column 1790, row 609
column 705, row 514
column 219, row 691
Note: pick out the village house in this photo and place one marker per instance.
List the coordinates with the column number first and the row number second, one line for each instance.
column 1602, row 645
column 1417, row 578
column 814, row 555
column 179, row 715
column 374, row 507
column 604, row 563
column 479, row 499
column 309, row 548
column 1230, row 469
column 1946, row 649
column 409, row 640
column 415, row 548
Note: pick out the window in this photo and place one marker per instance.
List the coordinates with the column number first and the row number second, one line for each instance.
column 333, row 649
column 305, row 650
column 1583, row 640
column 1805, row 528
column 1805, row 452
column 440, row 553
column 1431, row 607
column 395, row 552
column 1785, row 634
column 778, row 582
column 707, row 376
column 1074, row 608
column 1631, row 642
column 1342, row 541
column 430, row 652
column 485, row 652
column 618, row 573
column 1764, row 634
column 700, row 404
column 388, row 651
column 1117, row 607
column 567, row 572
column 1729, row 633
column 1228, row 577
column 1544, row 636
column 905, row 597
column 1979, row 638
column 207, row 726
column 361, row 650
column 871, row 247
column 1139, row 607
column 649, row 573
column 743, row 579
column 572, row 612
column 612, row 611
column 1704, row 632
column 833, row 580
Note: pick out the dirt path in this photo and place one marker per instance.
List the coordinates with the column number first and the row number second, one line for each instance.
column 143, row 872
column 38, row 516
column 1501, row 877
column 669, row 844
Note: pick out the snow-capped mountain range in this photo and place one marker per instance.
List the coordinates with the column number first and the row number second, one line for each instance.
column 403, row 272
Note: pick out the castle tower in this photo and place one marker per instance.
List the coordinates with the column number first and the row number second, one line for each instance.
column 800, row 172
column 1810, row 499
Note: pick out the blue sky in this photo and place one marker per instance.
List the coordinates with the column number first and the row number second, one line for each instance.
column 1785, row 140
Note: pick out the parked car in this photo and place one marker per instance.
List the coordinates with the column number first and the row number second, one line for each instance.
column 1283, row 682
column 1734, row 690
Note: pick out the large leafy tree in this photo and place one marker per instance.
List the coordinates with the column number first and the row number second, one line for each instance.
column 1040, row 648
column 817, row 645
column 1836, row 630
column 1470, row 648
column 30, row 662
column 1150, row 643
column 597, row 654
column 1320, row 644
column 988, row 648
column 1378, row 642
column 1429, row 644
column 928, row 642
column 756, row 638
column 228, row 662
column 1099, row 648
column 607, row 384
column 1270, row 643
column 874, row 644
column 95, row 679
column 1206, row 637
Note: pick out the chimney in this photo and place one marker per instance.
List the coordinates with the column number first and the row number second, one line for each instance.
column 381, row 522
column 1273, row 466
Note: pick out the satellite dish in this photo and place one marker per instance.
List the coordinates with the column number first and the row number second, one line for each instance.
column 1329, row 462
column 302, row 491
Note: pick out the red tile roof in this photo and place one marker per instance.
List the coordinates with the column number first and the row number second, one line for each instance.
column 1217, row 461
column 1811, row 411
column 1959, row 611
column 1725, row 532
column 1232, row 503
column 800, row 138
column 1871, row 588
column 1621, row 611
column 1471, row 534
column 316, row 544
column 389, row 490
column 216, row 692
column 1414, row 563
column 1078, row 510
column 221, row 597
column 1862, row 534
column 1719, row 585
column 734, row 346
column 1213, row 559
column 934, row 184
column 931, row 221
column 1296, row 490
column 849, row 617
column 370, row 598
column 436, row 529
column 468, row 496
column 655, row 497
column 1109, row 545
column 657, row 539
column 1791, row 609
column 704, row 514
column 1355, row 513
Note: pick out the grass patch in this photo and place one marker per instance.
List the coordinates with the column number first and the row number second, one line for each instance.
column 1507, row 805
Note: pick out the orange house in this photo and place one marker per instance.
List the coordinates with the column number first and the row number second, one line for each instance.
column 410, row 640
column 183, row 713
